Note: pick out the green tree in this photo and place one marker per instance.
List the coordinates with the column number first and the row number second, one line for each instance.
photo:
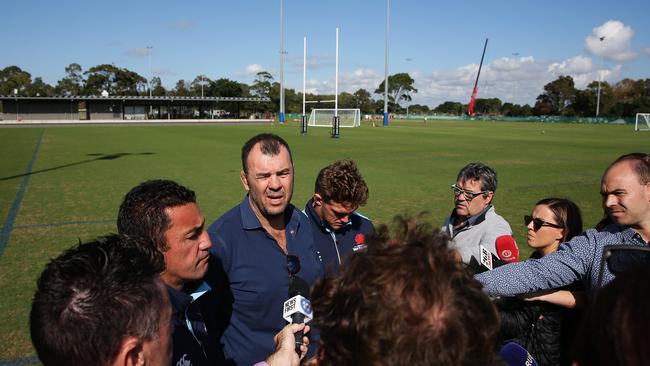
column 14, row 78
column 73, row 82
column 181, row 89
column 39, row 88
column 262, row 85
column 227, row 88
column 448, row 107
column 201, row 82
column 156, row 87
column 363, row 101
column 418, row 109
column 557, row 98
column 400, row 87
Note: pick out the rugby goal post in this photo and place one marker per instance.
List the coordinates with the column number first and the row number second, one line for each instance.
column 325, row 117
column 641, row 120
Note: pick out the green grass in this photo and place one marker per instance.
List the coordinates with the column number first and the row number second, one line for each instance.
column 80, row 175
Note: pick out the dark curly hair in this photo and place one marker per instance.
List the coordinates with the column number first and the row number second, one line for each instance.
column 404, row 300
column 341, row 182
column 92, row 296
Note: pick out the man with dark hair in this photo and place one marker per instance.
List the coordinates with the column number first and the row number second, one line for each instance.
column 255, row 242
column 625, row 190
column 338, row 229
column 404, row 300
column 102, row 303
column 474, row 225
column 164, row 216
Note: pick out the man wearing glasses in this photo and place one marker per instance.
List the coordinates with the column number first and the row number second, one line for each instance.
column 625, row 191
column 473, row 225
column 260, row 244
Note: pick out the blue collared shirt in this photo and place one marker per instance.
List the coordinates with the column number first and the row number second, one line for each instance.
column 191, row 342
column 256, row 268
column 576, row 260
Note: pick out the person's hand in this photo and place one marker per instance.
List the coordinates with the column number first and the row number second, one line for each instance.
column 285, row 346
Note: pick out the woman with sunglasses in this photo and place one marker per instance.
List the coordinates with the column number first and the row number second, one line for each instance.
column 542, row 323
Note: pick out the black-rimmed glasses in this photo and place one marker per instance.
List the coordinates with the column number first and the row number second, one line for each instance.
column 620, row 258
column 293, row 265
column 469, row 195
column 538, row 223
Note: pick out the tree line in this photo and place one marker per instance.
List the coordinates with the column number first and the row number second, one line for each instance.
column 560, row 97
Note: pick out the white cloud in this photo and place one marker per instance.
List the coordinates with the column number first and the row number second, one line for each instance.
column 616, row 42
column 253, row 69
column 575, row 65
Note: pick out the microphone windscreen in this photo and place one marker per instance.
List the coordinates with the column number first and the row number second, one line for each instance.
column 507, row 249
column 516, row 355
column 298, row 286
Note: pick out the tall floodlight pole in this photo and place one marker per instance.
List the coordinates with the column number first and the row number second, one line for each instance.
column 281, row 61
column 150, row 78
column 336, row 76
column 150, row 74
column 303, row 117
column 336, row 122
column 386, row 65
column 600, row 76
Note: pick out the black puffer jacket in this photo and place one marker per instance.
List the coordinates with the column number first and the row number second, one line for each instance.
column 544, row 329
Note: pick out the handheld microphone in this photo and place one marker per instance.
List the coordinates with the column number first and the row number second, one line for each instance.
column 507, row 249
column 298, row 308
column 516, row 355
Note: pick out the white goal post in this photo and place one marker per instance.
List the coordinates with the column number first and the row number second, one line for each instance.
column 641, row 119
column 325, row 117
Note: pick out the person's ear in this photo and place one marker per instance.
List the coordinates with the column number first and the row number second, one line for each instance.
column 489, row 197
column 244, row 181
column 130, row 354
column 318, row 199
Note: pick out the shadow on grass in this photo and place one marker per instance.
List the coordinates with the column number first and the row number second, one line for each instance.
column 98, row 156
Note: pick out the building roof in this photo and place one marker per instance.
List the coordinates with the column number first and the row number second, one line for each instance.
column 140, row 98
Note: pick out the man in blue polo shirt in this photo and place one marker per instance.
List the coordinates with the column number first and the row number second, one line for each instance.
column 254, row 242
column 338, row 229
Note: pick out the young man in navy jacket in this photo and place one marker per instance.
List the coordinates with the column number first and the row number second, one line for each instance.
column 338, row 229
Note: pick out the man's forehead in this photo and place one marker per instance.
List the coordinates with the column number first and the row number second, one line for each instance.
column 258, row 159
column 620, row 173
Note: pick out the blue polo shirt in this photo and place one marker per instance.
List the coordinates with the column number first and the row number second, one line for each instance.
column 333, row 247
column 256, row 268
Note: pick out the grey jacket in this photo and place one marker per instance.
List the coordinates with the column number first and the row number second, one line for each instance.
column 483, row 229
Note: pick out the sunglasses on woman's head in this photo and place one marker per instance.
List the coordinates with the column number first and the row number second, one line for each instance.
column 538, row 223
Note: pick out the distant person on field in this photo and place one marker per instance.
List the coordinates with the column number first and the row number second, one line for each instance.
column 338, row 228
column 545, row 324
column 474, row 225
column 102, row 303
column 625, row 191
column 404, row 300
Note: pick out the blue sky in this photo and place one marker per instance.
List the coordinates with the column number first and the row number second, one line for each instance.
column 438, row 43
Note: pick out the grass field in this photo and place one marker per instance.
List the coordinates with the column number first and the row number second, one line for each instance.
column 80, row 174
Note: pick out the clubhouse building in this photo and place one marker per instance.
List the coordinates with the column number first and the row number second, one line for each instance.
column 125, row 108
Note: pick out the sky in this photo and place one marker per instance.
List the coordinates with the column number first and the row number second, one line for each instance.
column 438, row 43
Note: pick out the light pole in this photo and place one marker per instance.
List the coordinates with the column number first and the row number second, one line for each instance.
column 515, row 54
column 150, row 77
column 281, row 61
column 600, row 76
column 150, row 74
column 386, row 65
